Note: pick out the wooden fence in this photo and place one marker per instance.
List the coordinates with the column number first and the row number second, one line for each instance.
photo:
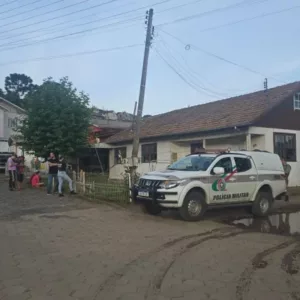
column 97, row 186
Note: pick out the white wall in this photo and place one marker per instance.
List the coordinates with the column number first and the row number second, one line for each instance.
column 263, row 141
column 165, row 150
column 234, row 143
column 163, row 160
column 1, row 123
column 268, row 145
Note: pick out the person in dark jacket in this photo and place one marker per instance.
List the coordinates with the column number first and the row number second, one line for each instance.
column 62, row 176
column 52, row 173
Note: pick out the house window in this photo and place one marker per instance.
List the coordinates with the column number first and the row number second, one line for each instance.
column 149, row 153
column 297, row 101
column 196, row 147
column 285, row 146
column 120, row 154
column 12, row 123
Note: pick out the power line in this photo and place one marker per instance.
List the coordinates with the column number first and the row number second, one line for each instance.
column 82, row 24
column 27, row 11
column 71, row 34
column 18, row 7
column 219, row 57
column 60, row 29
column 250, row 19
column 57, row 17
column 224, row 92
column 178, row 6
column 101, row 19
column 199, row 15
column 71, row 54
column 50, row 27
column 7, row 3
column 189, row 73
column 43, row 14
column 192, row 85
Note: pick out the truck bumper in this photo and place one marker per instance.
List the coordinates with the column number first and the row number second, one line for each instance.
column 166, row 199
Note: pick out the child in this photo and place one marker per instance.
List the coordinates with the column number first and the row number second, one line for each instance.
column 20, row 171
column 35, row 180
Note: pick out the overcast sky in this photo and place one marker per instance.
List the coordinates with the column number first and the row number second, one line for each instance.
column 196, row 57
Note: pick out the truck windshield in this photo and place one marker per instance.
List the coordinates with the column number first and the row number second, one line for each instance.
column 192, row 163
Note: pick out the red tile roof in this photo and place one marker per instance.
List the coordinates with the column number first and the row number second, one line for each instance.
column 235, row 111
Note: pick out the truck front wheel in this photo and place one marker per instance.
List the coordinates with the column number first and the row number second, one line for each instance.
column 193, row 207
column 152, row 209
column 262, row 204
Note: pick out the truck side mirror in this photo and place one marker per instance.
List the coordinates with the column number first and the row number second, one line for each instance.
column 219, row 171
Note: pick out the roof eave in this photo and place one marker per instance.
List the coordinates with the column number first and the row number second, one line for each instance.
column 14, row 105
column 175, row 135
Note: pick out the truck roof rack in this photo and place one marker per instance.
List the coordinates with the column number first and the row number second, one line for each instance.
column 211, row 151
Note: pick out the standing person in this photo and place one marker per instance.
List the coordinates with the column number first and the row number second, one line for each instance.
column 52, row 173
column 35, row 164
column 287, row 170
column 12, row 171
column 62, row 176
column 20, row 171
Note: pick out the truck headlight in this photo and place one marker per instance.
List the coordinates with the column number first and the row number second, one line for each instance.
column 169, row 184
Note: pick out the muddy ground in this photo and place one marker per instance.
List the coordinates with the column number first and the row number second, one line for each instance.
column 71, row 249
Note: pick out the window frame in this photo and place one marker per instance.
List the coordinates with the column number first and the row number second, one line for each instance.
column 240, row 157
column 283, row 152
column 116, row 159
column 214, row 165
column 148, row 153
column 12, row 122
column 296, row 101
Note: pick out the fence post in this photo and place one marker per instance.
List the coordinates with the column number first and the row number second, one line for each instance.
column 83, row 182
column 129, row 186
column 80, row 179
column 74, row 182
column 93, row 189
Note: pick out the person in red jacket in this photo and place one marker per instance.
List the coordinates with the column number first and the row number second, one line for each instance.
column 35, row 180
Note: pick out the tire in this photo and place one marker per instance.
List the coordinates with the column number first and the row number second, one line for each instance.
column 152, row 209
column 262, row 204
column 193, row 207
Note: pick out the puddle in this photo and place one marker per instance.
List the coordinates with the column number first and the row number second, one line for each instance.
column 283, row 224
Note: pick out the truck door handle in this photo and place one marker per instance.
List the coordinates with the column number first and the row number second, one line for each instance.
column 252, row 177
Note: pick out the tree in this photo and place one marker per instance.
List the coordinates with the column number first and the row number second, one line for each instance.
column 57, row 120
column 17, row 86
column 2, row 94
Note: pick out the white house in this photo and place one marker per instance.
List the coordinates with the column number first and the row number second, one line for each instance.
column 9, row 116
column 265, row 120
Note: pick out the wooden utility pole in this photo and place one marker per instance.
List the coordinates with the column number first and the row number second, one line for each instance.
column 137, row 127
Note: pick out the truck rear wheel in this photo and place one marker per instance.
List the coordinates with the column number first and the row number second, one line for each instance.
column 262, row 204
column 152, row 209
column 193, row 207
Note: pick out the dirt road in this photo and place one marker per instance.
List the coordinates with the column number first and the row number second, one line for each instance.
column 69, row 249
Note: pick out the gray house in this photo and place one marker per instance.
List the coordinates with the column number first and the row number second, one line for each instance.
column 9, row 116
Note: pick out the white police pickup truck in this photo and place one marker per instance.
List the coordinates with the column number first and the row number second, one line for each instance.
column 199, row 182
